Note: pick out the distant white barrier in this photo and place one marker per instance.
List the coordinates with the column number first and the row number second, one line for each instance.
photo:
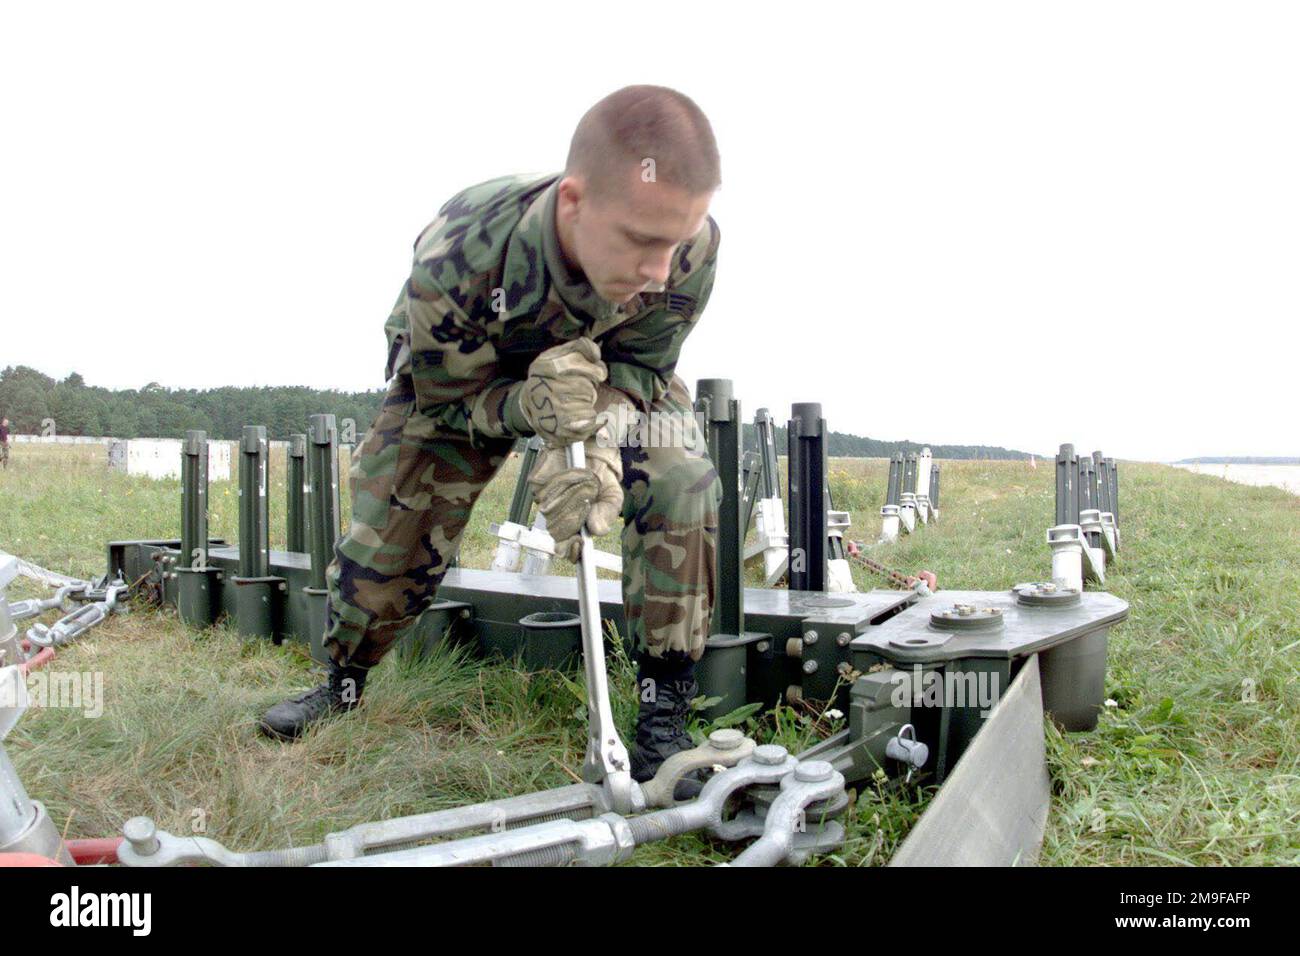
column 161, row 458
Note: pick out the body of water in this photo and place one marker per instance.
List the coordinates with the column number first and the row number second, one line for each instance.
column 1279, row 476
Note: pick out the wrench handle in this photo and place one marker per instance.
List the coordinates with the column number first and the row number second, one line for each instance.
column 607, row 759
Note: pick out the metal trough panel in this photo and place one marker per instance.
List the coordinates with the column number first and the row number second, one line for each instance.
column 992, row 810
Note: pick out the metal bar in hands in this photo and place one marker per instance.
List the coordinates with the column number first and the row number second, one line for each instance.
column 607, row 760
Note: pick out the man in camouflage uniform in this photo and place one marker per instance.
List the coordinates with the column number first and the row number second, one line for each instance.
column 539, row 305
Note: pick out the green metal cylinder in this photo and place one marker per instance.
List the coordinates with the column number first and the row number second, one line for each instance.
column 1074, row 680
column 765, row 432
column 894, row 482
column 551, row 639
column 1067, row 502
column 323, row 468
column 1086, row 485
column 194, row 500
column 254, row 606
column 723, row 436
column 197, row 598
column 909, row 473
column 721, row 673
column 316, row 606
column 254, row 528
column 295, row 515
column 521, row 503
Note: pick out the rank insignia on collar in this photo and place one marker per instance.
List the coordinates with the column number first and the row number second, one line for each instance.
column 681, row 303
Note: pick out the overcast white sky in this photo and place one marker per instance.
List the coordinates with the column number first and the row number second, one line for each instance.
column 1005, row 223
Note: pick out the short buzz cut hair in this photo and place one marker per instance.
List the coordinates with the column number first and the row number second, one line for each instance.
column 639, row 123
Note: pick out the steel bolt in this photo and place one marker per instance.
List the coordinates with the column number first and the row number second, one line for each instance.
column 770, row 755
column 809, row 667
column 142, row 834
column 762, row 646
column 843, row 639
column 728, row 738
column 813, row 771
column 810, row 637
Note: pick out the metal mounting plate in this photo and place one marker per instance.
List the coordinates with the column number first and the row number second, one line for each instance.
column 1024, row 629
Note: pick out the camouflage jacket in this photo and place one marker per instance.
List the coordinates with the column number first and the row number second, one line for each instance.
column 489, row 290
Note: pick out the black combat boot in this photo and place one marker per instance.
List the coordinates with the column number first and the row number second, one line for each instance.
column 289, row 719
column 666, row 687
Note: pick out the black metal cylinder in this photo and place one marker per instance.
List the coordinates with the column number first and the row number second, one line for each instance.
column 1102, row 482
column 719, row 393
column 806, row 434
column 723, row 434
column 909, row 474
column 323, row 477
column 295, row 516
column 934, row 487
column 1113, row 475
column 551, row 639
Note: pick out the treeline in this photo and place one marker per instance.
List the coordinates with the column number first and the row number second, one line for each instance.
column 29, row 398
column 841, row 445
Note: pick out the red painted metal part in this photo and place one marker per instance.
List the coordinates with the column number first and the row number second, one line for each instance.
column 25, row 859
column 90, row 852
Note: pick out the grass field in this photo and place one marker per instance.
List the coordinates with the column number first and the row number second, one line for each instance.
column 1196, row 761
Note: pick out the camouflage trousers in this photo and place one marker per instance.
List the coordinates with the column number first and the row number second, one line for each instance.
column 414, row 484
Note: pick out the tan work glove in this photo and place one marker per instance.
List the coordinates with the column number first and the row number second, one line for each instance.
column 569, row 497
column 559, row 395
